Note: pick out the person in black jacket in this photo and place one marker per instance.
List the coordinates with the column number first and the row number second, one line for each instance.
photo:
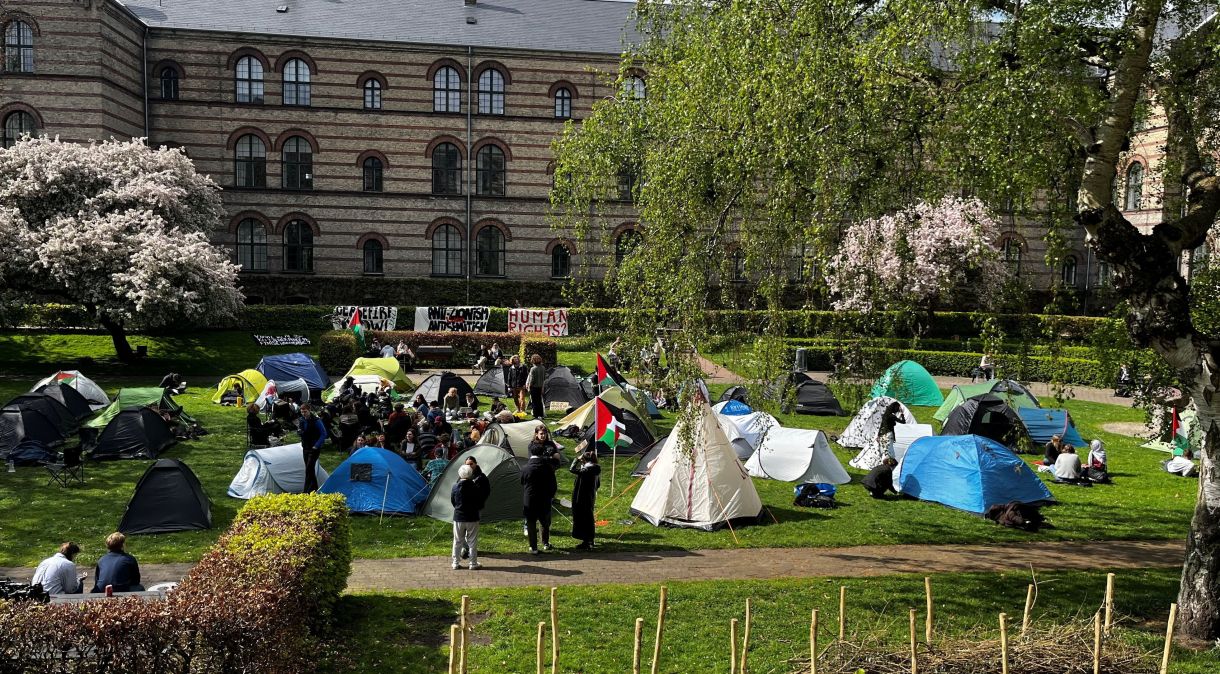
column 467, row 499
column 538, row 478
column 116, row 568
column 313, row 434
column 584, row 494
column 881, row 479
column 484, row 485
column 260, row 431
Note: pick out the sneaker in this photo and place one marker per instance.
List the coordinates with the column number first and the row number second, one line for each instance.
column 533, row 551
column 475, row 566
column 547, row 547
column 456, row 566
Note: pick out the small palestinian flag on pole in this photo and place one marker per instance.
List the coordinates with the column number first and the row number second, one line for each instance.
column 1181, row 441
column 357, row 327
column 607, row 376
column 607, row 429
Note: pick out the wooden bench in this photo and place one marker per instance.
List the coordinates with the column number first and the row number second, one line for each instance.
column 438, row 352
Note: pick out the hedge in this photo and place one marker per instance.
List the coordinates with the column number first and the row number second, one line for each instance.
column 256, row 602
column 338, row 348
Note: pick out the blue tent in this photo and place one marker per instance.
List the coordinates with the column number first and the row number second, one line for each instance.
column 293, row 366
column 968, row 472
column 373, row 476
column 735, row 408
column 1042, row 423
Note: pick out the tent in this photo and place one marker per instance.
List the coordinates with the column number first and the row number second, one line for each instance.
column 21, row 423
column 297, row 389
column 796, row 455
column 985, row 415
column 252, row 383
column 376, row 480
column 746, row 431
column 436, row 386
column 129, row 398
column 642, row 398
column 875, row 416
column 491, row 384
column 137, row 433
column 815, row 397
column 69, row 397
column 290, row 366
column 514, row 437
column 503, row 475
column 65, row 422
column 731, row 408
column 1043, row 422
column 85, row 386
column 633, row 427
column 646, row 458
column 904, row 435
column 736, row 393
column 167, row 498
column 388, row 369
column 907, row 381
column 968, row 472
column 273, row 470
column 31, row 453
column 563, row 386
column 1013, row 393
column 365, row 383
column 616, row 398
column 702, row 486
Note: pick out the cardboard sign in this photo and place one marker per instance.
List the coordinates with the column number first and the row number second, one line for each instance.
column 372, row 318
column 549, row 322
column 451, row 319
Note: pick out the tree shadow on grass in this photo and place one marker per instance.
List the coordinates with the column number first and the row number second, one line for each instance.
column 389, row 633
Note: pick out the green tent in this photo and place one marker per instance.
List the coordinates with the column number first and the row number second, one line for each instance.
column 129, row 398
column 1006, row 389
column 908, row 382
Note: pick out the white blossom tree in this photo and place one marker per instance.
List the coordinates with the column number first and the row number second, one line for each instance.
column 117, row 228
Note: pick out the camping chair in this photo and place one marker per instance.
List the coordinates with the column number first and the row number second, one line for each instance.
column 70, row 468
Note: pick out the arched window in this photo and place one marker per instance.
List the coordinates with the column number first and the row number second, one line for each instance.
column 169, row 84
column 1068, row 273
column 489, row 246
column 446, row 169
column 634, row 88
column 250, row 167
column 446, row 251
column 491, row 170
column 251, row 245
column 18, row 48
column 372, row 174
column 373, row 257
column 16, row 125
column 296, row 82
column 626, row 242
column 1135, row 187
column 1012, row 255
column 372, row 94
column 249, row 80
column 563, row 103
column 1105, row 274
column 491, row 92
column 298, row 164
column 446, row 90
column 298, row 247
column 561, row 262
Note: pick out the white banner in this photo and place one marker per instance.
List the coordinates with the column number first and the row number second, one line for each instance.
column 550, row 322
column 372, row 318
column 281, row 340
column 451, row 319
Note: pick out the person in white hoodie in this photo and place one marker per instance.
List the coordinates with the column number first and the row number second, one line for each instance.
column 1181, row 463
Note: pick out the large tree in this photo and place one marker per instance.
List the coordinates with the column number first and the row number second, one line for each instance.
column 117, row 228
column 767, row 125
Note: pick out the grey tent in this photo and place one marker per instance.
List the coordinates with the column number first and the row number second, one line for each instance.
column 503, row 473
column 67, row 396
column 563, row 386
column 491, row 384
column 167, row 498
column 138, row 433
column 20, row 423
column 436, row 386
column 65, row 421
column 986, row 415
column 738, row 393
column 815, row 397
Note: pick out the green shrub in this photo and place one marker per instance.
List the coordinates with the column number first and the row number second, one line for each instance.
column 1078, row 371
column 336, row 351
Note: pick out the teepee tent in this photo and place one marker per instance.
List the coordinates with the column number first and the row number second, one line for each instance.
column 986, row 415
column 909, row 382
column 703, row 486
column 135, row 433
column 968, row 472
column 796, row 455
column 436, row 386
column 273, row 470
column 514, row 437
column 1044, row 422
column 85, row 386
column 503, row 475
column 376, row 480
column 167, row 498
column 251, row 382
column 1013, row 393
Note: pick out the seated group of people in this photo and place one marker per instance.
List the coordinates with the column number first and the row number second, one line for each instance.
column 1061, row 459
column 116, row 569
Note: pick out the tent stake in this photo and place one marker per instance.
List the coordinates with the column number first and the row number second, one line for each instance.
column 453, row 649
column 1097, row 643
column 733, row 646
column 538, row 646
column 1029, row 605
column 1109, row 602
column 656, row 647
column 813, row 642
column 745, row 641
column 842, row 612
column 1173, row 616
column 554, row 630
column 927, row 628
column 465, row 627
column 1003, row 643
column 914, row 654
column 639, row 633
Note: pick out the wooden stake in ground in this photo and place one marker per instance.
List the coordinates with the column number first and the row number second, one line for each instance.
column 453, row 648
column 538, row 648
column 1029, row 606
column 1109, row 601
column 914, row 653
column 733, row 646
column 813, row 642
column 1003, row 643
column 635, row 658
column 745, row 642
column 465, row 625
column 927, row 627
column 1173, row 616
column 842, row 612
column 554, row 631
column 1097, row 643
column 656, row 647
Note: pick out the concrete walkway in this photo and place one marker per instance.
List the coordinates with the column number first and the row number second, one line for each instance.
column 571, row 568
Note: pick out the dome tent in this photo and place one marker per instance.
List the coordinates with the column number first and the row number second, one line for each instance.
column 968, row 472
column 1013, row 393
column 632, row 426
column 514, row 437
column 376, row 369
column 85, row 386
column 910, row 383
column 64, row 421
column 1042, row 423
column 503, row 475
column 870, row 431
column 491, row 384
column 986, row 415
column 582, row 417
column 136, row 433
column 252, row 383
column 297, row 389
column 23, row 423
column 731, row 408
column 563, row 386
column 737, row 393
column 67, row 396
column 167, row 498
column 815, row 397
column 376, row 480
column 290, row 366
column 273, row 470
column 796, row 455
column 436, row 386
column 131, row 398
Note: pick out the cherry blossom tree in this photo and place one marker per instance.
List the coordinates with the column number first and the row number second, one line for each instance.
column 117, row 228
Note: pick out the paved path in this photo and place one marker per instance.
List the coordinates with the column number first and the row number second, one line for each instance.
column 560, row 568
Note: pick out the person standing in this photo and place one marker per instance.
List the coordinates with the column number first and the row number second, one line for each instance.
column 57, row 573
column 534, row 381
column 538, row 479
column 584, row 495
column 116, row 568
column 313, row 434
column 467, row 499
column 514, row 378
column 482, row 483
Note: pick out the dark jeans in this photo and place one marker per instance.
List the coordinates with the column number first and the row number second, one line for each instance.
column 311, row 468
column 536, row 402
column 532, row 520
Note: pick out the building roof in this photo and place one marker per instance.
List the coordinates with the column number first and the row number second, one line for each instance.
column 588, row 26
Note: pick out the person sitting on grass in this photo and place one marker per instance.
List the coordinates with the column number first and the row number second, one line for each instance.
column 452, row 402
column 881, row 478
column 1067, row 466
column 436, row 466
column 261, row 433
column 116, row 568
column 1181, row 463
column 1053, row 448
column 1097, row 468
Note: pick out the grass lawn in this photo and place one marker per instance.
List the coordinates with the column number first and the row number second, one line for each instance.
column 409, row 632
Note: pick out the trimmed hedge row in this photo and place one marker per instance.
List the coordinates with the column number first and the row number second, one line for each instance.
column 254, row 603
column 1080, row 371
column 338, row 348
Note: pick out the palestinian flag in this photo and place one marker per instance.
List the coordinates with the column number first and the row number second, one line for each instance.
column 607, row 429
column 1181, row 441
column 607, row 376
column 357, row 327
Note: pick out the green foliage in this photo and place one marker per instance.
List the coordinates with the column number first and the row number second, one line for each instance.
column 336, row 351
column 468, row 344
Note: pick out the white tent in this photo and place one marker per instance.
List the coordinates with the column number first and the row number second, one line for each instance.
column 797, row 455
column 514, row 437
column 275, row 389
column 703, row 486
column 274, row 470
column 904, row 435
column 866, row 425
column 746, row 431
column 85, row 386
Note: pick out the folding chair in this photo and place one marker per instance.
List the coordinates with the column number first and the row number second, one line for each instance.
column 70, row 468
